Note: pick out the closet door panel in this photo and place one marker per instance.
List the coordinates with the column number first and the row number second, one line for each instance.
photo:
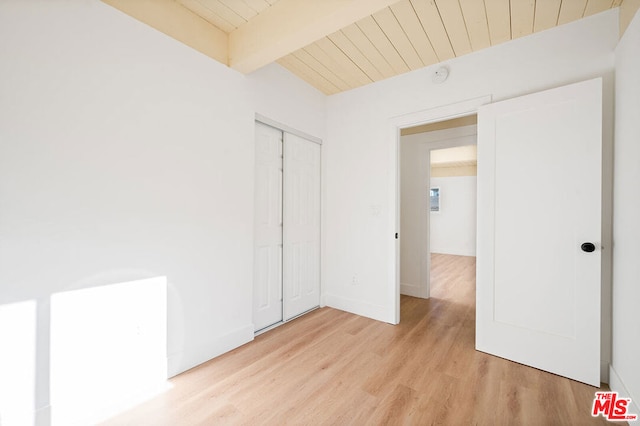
column 267, row 279
column 301, row 256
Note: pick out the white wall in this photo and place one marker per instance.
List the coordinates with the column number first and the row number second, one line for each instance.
column 126, row 155
column 625, row 374
column 360, row 155
column 453, row 228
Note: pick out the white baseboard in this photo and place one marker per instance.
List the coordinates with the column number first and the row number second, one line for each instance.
column 617, row 385
column 184, row 360
column 453, row 251
column 365, row 309
column 412, row 290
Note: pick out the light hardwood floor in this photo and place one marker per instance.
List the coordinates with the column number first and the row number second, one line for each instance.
column 333, row 368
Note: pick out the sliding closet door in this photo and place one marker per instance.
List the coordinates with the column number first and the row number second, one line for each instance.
column 267, row 268
column 301, row 258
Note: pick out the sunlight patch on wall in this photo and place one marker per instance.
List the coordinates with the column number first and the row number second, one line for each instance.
column 108, row 349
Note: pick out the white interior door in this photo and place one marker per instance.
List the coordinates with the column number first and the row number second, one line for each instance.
column 301, row 258
column 267, row 269
column 539, row 200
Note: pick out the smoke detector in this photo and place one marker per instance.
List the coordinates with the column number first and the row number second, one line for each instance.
column 440, row 75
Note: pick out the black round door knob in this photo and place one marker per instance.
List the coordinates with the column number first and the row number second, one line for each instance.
column 588, row 247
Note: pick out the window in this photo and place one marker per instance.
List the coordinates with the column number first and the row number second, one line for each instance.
column 434, row 197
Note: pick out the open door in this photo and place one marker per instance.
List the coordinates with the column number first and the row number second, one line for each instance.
column 539, row 230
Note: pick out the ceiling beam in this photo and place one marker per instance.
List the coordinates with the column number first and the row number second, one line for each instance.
column 289, row 25
column 175, row 20
column 628, row 10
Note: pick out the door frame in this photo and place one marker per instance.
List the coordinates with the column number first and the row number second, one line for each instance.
column 396, row 124
column 285, row 129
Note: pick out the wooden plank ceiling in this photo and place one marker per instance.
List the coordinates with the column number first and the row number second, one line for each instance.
column 227, row 15
column 405, row 36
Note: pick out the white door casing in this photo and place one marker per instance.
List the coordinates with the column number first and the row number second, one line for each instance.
column 539, row 199
column 396, row 124
column 267, row 287
column 301, row 258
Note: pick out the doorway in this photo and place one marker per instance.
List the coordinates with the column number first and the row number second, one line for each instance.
column 396, row 125
column 437, row 198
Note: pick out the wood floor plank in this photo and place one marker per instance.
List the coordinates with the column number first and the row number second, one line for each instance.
column 333, row 368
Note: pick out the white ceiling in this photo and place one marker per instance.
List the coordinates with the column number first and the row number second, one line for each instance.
column 455, row 157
